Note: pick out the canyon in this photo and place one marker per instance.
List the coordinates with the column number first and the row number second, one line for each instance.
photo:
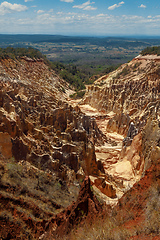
column 65, row 160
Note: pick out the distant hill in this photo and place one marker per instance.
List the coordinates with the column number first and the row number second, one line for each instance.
column 111, row 41
column 105, row 41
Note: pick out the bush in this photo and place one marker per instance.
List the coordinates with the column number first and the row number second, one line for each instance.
column 15, row 53
column 151, row 50
column 70, row 74
column 78, row 95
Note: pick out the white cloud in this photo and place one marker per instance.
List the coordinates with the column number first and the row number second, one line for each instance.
column 101, row 15
column 82, row 5
column 44, row 12
column 40, row 11
column 28, row 0
column 50, row 11
column 68, row 1
column 6, row 7
column 89, row 8
column 81, row 23
column 142, row 6
column 85, row 6
column 115, row 6
column 157, row 16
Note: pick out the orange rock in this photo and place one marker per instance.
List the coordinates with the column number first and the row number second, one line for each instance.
column 5, row 145
column 134, row 154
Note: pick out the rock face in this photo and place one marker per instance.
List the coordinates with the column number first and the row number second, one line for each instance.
column 140, row 205
column 132, row 132
column 105, row 187
column 38, row 121
column 5, row 145
column 49, row 146
column 151, row 142
column 134, row 155
column 46, row 146
column 131, row 92
column 122, row 103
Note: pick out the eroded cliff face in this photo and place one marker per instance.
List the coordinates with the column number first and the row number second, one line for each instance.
column 49, row 143
column 123, row 103
column 137, row 215
column 140, row 205
column 131, row 92
column 46, row 147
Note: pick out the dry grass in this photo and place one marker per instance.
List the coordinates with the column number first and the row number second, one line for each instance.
column 114, row 227
column 152, row 212
column 101, row 230
column 28, row 195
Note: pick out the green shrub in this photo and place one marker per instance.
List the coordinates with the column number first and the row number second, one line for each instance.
column 70, row 74
column 77, row 95
column 151, row 50
column 15, row 53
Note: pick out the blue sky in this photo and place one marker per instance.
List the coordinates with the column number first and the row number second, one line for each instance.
column 81, row 17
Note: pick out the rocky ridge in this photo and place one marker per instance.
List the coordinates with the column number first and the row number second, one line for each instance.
column 131, row 92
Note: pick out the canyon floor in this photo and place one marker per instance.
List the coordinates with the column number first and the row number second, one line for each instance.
column 117, row 171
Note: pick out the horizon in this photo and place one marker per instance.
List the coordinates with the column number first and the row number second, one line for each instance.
column 84, row 36
column 80, row 17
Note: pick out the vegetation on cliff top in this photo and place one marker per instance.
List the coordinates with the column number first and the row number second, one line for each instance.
column 69, row 72
column 15, row 53
column 151, row 50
